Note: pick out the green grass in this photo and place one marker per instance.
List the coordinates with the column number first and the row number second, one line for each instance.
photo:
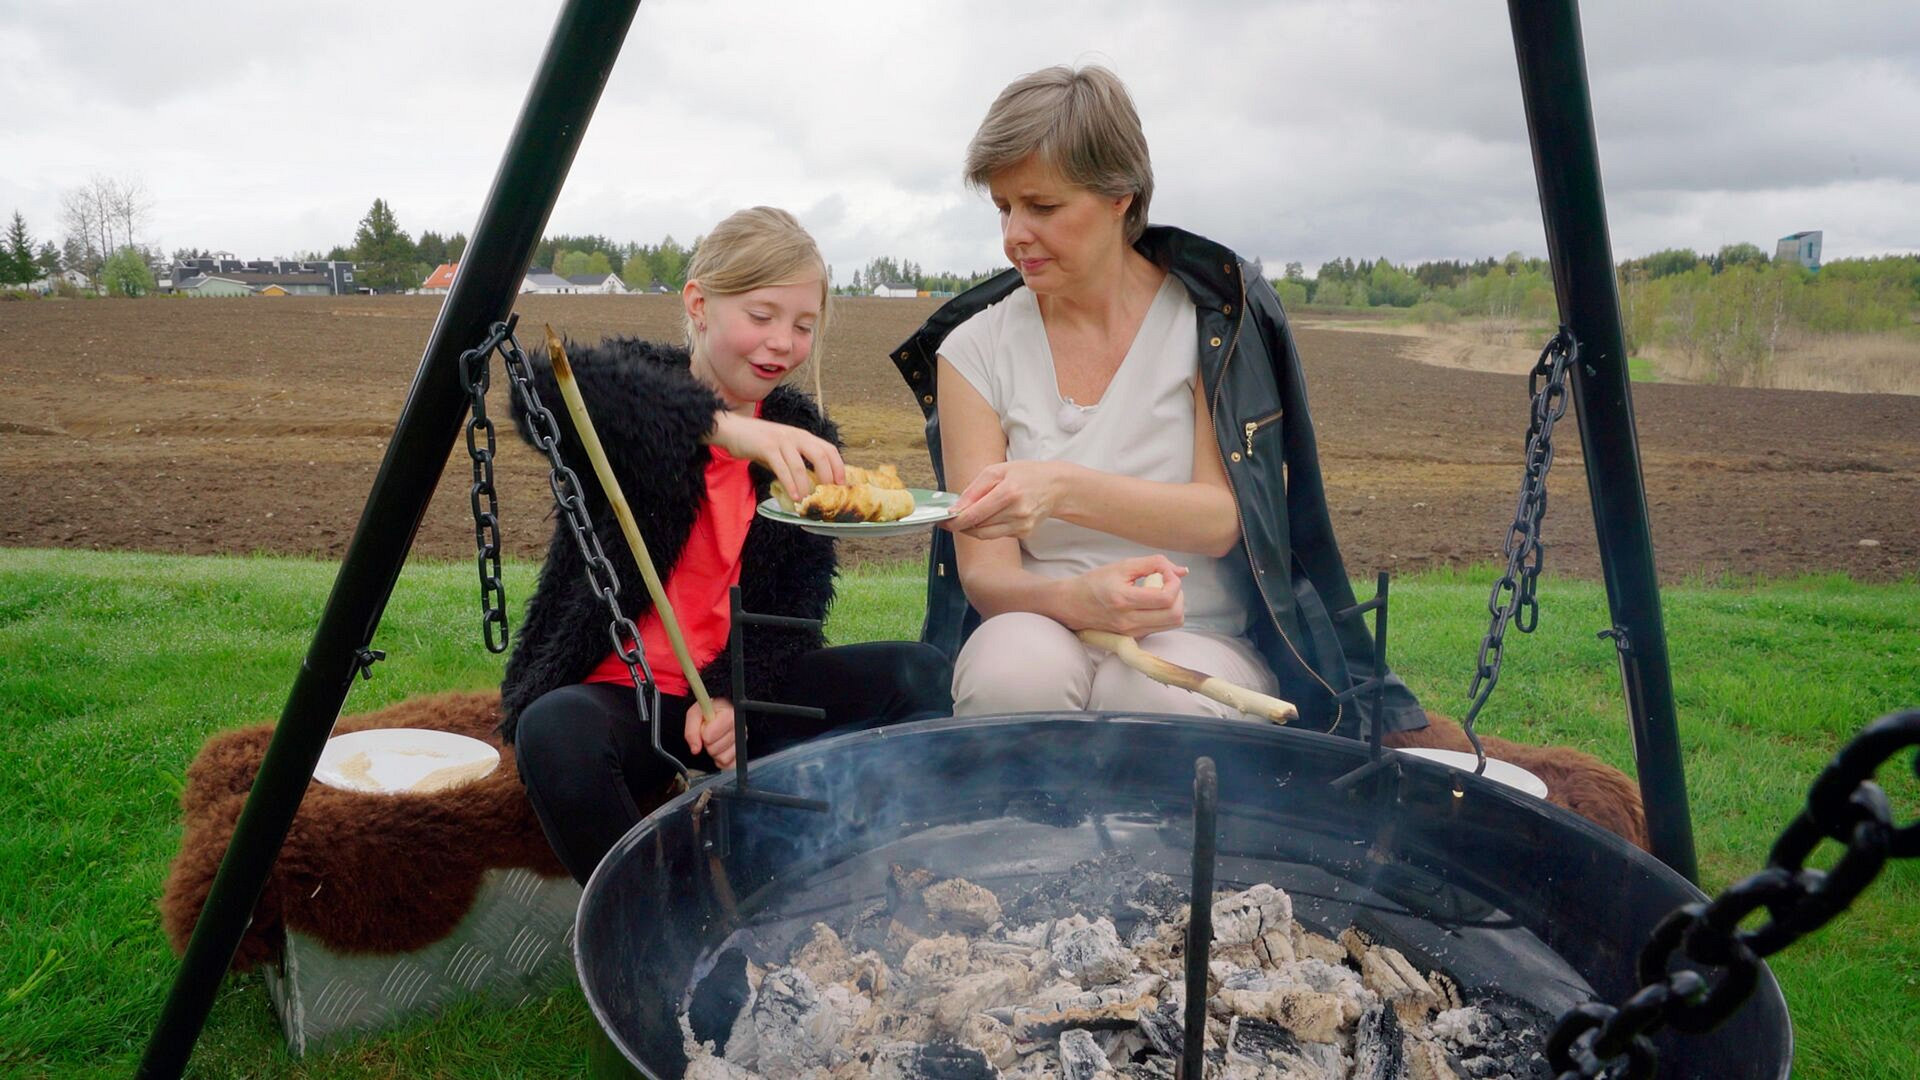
column 1639, row 369
column 114, row 669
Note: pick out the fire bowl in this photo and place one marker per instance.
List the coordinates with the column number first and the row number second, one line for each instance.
column 1505, row 893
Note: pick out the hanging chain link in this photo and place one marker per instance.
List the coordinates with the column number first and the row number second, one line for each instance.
column 572, row 503
column 1512, row 601
column 1601, row 1042
column 475, row 374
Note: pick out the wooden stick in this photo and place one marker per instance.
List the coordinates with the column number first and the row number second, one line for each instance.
column 1162, row 670
column 590, row 441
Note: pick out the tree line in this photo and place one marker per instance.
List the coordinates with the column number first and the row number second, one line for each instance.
column 1728, row 311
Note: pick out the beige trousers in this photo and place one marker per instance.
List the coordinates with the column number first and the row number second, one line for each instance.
column 1022, row 662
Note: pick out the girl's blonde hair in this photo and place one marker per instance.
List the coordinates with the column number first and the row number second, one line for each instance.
column 755, row 248
column 1082, row 123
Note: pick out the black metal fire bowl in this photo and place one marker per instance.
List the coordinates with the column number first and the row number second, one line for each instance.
column 1508, row 894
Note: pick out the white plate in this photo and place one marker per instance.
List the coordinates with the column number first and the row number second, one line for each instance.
column 391, row 760
column 1501, row 772
column 929, row 507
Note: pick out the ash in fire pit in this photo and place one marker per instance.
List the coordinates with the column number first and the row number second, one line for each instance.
column 1080, row 978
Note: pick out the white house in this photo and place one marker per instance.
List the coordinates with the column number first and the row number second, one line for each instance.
column 51, row 282
column 895, row 288
column 608, row 284
column 547, row 282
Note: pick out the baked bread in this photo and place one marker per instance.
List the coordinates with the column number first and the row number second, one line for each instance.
column 868, row 495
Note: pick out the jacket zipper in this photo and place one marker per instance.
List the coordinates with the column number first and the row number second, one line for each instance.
column 1339, row 707
column 1253, row 426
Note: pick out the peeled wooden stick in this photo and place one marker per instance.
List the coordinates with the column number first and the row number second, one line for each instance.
column 590, row 442
column 1162, row 670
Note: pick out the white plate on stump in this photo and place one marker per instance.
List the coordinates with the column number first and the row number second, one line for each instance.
column 1500, row 772
column 388, row 761
column 929, row 507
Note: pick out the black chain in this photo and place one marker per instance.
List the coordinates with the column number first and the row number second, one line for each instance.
column 567, row 495
column 475, row 375
column 1512, row 601
column 1595, row 1041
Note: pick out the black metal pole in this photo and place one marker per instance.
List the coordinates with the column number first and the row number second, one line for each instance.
column 580, row 54
column 1566, row 160
column 1206, row 808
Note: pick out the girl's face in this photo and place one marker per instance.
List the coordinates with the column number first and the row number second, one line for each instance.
column 1052, row 229
column 744, row 344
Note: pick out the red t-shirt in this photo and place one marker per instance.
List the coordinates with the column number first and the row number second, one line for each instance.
column 708, row 569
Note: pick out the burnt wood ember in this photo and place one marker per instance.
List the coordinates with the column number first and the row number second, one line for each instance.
column 1080, row 1057
column 930, row 1061
column 717, row 999
column 1378, row 1046
column 1110, row 884
column 1068, row 998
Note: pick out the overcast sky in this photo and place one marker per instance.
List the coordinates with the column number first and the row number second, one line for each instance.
column 1287, row 130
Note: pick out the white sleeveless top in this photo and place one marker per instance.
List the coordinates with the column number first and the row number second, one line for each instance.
column 1142, row 426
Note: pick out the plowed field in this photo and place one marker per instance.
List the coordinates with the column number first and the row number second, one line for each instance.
column 238, row 426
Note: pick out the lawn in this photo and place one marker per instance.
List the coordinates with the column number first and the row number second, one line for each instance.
column 115, row 668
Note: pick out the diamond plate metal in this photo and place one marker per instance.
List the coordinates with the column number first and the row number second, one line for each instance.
column 516, row 942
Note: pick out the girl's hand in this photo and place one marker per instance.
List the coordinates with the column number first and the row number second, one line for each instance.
column 1010, row 498
column 1114, row 597
column 786, row 451
column 713, row 736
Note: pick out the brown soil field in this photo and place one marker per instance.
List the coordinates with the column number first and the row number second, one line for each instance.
column 240, row 426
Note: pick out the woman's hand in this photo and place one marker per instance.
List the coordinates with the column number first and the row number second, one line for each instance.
column 713, row 736
column 1114, row 597
column 786, row 451
column 1009, row 498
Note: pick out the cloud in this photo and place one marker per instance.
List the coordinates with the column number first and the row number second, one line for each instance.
column 1293, row 131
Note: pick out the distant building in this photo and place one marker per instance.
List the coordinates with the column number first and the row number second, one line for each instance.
column 546, row 282
column 895, row 288
column 202, row 285
column 48, row 284
column 609, row 284
column 319, row 277
column 1801, row 247
column 440, row 281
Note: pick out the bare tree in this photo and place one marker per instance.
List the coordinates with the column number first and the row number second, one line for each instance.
column 104, row 216
column 87, row 241
column 129, row 203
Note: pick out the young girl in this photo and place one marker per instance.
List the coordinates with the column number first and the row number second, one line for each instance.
column 695, row 435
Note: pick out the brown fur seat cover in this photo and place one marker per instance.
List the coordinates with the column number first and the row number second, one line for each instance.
column 1575, row 780
column 395, row 873
column 360, row 872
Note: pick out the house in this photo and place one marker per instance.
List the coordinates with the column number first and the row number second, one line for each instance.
column 202, row 285
column 48, row 284
column 1800, row 247
column 440, row 281
column 288, row 284
column 895, row 288
column 547, row 282
column 606, row 284
column 314, row 277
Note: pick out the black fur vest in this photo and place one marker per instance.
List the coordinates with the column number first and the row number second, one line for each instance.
column 651, row 415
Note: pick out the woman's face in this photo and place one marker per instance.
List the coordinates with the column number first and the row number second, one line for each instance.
column 1052, row 229
column 744, row 344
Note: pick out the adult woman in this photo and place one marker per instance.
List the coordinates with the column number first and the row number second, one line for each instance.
column 695, row 435
column 1127, row 402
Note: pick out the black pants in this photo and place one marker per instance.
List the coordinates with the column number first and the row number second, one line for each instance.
column 588, row 763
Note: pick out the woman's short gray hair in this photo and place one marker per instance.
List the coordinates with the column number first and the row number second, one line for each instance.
column 1082, row 123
